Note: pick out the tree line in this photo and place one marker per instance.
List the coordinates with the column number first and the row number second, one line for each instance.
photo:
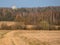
column 32, row 16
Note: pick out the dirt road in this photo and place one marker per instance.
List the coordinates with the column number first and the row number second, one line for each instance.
column 25, row 37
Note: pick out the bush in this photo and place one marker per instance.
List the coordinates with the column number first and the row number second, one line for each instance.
column 4, row 26
column 17, row 26
column 44, row 25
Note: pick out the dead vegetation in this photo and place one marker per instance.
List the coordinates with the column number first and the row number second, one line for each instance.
column 32, row 37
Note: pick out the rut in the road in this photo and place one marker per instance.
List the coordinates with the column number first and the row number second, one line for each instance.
column 31, row 38
column 14, row 38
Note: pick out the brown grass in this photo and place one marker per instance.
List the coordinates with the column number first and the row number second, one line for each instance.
column 31, row 37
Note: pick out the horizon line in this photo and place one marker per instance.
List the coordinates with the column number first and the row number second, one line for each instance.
column 30, row 7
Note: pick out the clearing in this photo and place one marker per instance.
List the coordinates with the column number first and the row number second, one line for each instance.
column 29, row 37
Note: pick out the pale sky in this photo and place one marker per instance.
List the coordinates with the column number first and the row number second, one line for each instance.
column 29, row 3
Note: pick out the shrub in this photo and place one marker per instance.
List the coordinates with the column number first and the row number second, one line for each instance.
column 44, row 25
column 4, row 26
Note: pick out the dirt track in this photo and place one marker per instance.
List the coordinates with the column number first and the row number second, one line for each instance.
column 22, row 37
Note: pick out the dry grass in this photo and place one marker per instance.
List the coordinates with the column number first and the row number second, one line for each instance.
column 3, row 32
column 31, row 37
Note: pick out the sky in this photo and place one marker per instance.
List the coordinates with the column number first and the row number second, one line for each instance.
column 29, row 3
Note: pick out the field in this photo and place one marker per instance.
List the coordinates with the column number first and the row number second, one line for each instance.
column 29, row 37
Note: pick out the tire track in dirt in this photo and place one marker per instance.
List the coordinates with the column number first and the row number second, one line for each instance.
column 31, row 38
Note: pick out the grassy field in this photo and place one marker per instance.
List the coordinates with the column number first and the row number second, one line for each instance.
column 29, row 37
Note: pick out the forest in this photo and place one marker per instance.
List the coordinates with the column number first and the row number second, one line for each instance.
column 46, row 17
